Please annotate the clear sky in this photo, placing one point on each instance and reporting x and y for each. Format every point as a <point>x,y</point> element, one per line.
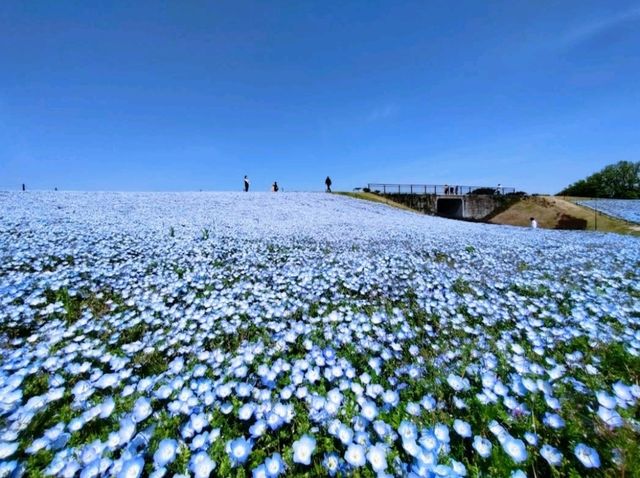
<point>188,95</point>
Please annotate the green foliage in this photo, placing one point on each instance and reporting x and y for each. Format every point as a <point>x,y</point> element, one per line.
<point>35,384</point>
<point>616,181</point>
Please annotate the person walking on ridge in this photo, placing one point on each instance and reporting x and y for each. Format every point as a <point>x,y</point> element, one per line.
<point>327,182</point>
<point>246,184</point>
<point>275,187</point>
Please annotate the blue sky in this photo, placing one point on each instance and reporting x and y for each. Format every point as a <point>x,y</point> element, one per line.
<point>193,95</point>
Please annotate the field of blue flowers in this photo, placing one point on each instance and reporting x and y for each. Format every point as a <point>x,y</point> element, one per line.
<point>627,209</point>
<point>264,335</point>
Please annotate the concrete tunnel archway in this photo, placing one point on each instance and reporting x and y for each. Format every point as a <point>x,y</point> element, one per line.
<point>450,207</point>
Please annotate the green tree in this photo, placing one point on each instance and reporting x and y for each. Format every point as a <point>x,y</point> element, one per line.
<point>620,181</point>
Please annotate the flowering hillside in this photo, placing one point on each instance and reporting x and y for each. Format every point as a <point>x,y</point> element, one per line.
<point>627,209</point>
<point>223,334</point>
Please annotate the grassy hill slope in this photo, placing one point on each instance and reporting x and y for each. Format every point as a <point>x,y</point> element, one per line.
<point>557,213</point>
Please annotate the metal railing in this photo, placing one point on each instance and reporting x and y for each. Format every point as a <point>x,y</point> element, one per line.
<point>437,189</point>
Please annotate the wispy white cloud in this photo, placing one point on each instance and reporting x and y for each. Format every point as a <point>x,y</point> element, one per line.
<point>586,31</point>
<point>382,112</point>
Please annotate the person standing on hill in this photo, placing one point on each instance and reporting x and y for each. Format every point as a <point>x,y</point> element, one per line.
<point>246,184</point>
<point>534,223</point>
<point>275,187</point>
<point>327,182</point>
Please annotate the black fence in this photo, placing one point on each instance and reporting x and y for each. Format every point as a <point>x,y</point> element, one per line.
<point>437,189</point>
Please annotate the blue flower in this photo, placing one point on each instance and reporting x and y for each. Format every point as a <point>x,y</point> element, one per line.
<point>587,456</point>
<point>201,465</point>
<point>331,463</point>
<point>377,456</point>
<point>355,455</point>
<point>610,417</point>
<point>303,449</point>
<point>482,446</point>
<point>166,452</point>
<point>516,449</point>
<point>239,450</point>
<point>462,428</point>
<point>275,465</point>
<point>407,430</point>
<point>132,468</point>
<point>551,454</point>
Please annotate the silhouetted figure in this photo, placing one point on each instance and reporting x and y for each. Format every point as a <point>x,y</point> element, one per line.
<point>327,182</point>
<point>499,188</point>
<point>55,189</point>
<point>446,189</point>
<point>24,188</point>
<point>246,184</point>
<point>275,187</point>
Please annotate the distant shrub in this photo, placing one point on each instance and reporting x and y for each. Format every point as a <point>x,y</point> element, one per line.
<point>481,191</point>
<point>366,190</point>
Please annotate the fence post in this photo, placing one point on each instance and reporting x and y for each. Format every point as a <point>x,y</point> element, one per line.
<point>384,189</point>
<point>411,188</point>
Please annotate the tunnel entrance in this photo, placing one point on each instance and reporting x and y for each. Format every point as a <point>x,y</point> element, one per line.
<point>449,207</point>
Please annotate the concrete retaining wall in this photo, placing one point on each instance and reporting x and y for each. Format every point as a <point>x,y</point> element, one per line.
<point>474,207</point>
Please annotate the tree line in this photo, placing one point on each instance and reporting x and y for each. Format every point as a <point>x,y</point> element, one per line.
<point>616,181</point>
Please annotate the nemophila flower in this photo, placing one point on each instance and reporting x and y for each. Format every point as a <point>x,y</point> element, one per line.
<point>141,409</point>
<point>377,457</point>
<point>462,428</point>
<point>259,471</point>
<point>369,410</point>
<point>331,463</point>
<point>132,468</point>
<point>411,447</point>
<point>606,400</point>
<point>198,422</point>
<point>355,455</point>
<point>553,420</point>
<point>246,411</point>
<point>515,448</point>
<point>551,454</point>
<point>126,431</point>
<point>407,430</point>
<point>344,434</point>
<point>201,465</point>
<point>258,428</point>
<point>274,465</point>
<point>441,431</point>
<point>166,452</point>
<point>429,441</point>
<point>610,417</point>
<point>587,456</point>
<point>7,449</point>
<point>457,383</point>
<point>531,438</point>
<point>391,398</point>
<point>238,450</point>
<point>623,392</point>
<point>482,446</point>
<point>303,449</point>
